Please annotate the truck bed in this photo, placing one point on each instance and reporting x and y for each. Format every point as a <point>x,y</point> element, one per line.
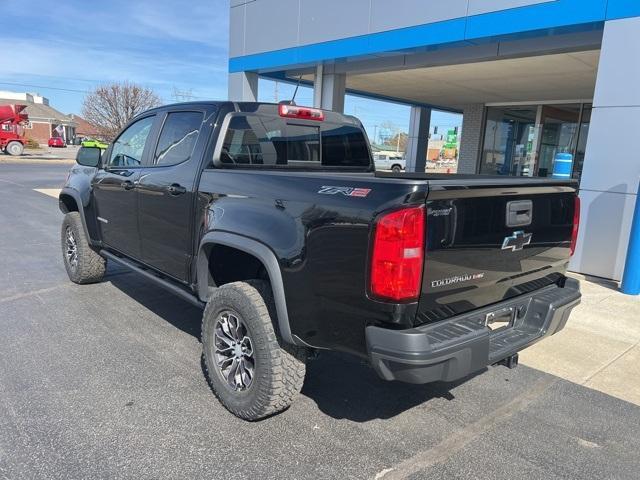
<point>480,180</point>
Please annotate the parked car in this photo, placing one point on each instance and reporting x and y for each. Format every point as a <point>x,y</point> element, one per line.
<point>90,142</point>
<point>389,161</point>
<point>56,142</point>
<point>273,220</point>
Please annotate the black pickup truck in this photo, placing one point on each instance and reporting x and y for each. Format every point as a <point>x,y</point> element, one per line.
<point>273,219</point>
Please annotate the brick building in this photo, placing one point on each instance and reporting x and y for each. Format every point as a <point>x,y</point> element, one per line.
<point>84,129</point>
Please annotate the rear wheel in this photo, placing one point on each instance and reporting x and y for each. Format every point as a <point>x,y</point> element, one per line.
<point>248,367</point>
<point>15,148</point>
<point>396,169</point>
<point>83,264</point>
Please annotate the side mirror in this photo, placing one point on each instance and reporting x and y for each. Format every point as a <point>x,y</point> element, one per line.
<point>89,156</point>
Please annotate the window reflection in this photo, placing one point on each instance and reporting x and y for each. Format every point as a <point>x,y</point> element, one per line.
<point>535,140</point>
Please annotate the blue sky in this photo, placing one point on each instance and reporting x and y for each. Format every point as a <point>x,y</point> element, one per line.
<point>64,49</point>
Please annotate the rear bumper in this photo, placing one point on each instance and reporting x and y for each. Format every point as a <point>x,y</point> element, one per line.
<point>455,348</point>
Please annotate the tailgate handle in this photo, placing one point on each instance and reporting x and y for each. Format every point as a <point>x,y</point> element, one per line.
<point>519,213</point>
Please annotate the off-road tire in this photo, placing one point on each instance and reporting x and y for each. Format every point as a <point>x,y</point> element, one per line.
<point>90,265</point>
<point>14,148</point>
<point>396,169</point>
<point>279,370</point>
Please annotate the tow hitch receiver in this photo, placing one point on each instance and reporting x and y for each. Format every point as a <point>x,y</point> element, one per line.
<point>509,362</point>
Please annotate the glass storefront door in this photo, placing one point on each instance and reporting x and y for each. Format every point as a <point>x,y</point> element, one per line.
<point>559,139</point>
<point>509,141</point>
<point>581,147</point>
<point>535,140</point>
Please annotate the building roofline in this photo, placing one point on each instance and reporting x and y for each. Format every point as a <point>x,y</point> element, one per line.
<point>540,19</point>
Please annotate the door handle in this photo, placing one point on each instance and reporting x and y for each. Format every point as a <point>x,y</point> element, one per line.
<point>127,185</point>
<point>519,213</point>
<point>176,189</point>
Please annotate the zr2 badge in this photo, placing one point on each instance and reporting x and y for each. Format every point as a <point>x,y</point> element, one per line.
<point>346,191</point>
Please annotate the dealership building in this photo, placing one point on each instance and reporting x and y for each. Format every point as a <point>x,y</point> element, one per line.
<point>546,88</point>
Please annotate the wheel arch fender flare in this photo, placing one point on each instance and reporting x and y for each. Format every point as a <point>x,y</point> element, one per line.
<point>262,253</point>
<point>75,195</point>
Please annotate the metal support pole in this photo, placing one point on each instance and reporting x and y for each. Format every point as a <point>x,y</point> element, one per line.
<point>418,141</point>
<point>631,277</point>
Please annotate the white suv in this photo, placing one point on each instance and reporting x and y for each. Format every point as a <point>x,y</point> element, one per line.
<point>389,161</point>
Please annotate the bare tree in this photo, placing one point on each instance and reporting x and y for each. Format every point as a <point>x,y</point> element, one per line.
<point>109,107</point>
<point>398,142</point>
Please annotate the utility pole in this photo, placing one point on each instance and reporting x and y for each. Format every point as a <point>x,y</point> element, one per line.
<point>182,95</point>
<point>275,92</point>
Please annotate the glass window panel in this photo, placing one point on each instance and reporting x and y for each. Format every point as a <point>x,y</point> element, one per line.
<point>178,137</point>
<point>268,140</point>
<point>582,141</point>
<point>128,148</point>
<point>558,141</point>
<point>344,146</point>
<point>509,141</point>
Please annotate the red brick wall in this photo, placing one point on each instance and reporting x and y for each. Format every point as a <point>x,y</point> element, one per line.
<point>40,133</point>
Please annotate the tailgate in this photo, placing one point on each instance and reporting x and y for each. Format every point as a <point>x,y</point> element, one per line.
<point>488,243</point>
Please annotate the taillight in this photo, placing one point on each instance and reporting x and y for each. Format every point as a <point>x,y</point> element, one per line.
<point>576,224</point>
<point>306,113</point>
<point>398,254</point>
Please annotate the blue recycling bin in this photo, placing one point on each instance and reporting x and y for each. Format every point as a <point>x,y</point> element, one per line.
<point>562,165</point>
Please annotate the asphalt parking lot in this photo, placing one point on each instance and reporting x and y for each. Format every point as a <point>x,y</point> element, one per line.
<point>105,381</point>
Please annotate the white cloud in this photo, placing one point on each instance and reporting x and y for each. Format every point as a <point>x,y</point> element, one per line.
<point>203,22</point>
<point>160,44</point>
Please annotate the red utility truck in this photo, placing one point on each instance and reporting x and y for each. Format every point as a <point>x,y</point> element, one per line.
<point>12,120</point>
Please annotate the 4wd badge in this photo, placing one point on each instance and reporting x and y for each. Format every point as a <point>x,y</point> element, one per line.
<point>346,191</point>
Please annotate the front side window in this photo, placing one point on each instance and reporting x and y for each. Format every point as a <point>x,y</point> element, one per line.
<point>128,148</point>
<point>178,138</point>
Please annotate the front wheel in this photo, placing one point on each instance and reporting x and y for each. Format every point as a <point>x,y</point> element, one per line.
<point>15,148</point>
<point>248,368</point>
<point>396,169</point>
<point>83,264</point>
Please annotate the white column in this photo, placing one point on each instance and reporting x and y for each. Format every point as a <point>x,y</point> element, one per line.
<point>417,143</point>
<point>471,138</point>
<point>329,89</point>
<point>317,86</point>
<point>243,87</point>
<point>611,171</point>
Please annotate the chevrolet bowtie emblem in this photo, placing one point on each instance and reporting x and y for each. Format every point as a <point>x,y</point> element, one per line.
<point>517,241</point>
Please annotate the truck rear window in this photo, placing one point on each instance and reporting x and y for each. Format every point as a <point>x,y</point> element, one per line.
<point>265,140</point>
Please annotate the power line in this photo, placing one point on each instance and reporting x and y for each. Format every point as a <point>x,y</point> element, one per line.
<point>182,95</point>
<point>44,86</point>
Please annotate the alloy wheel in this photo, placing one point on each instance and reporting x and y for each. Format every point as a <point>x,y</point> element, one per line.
<point>71,251</point>
<point>234,351</point>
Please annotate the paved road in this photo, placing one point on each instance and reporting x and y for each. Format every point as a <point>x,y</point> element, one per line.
<point>105,381</point>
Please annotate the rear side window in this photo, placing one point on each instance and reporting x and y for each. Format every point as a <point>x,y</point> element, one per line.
<point>178,137</point>
<point>272,141</point>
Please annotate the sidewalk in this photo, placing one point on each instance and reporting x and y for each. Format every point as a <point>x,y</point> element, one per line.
<point>43,154</point>
<point>600,346</point>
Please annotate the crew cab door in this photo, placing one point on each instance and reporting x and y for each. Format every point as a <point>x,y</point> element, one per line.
<point>114,187</point>
<point>167,190</point>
